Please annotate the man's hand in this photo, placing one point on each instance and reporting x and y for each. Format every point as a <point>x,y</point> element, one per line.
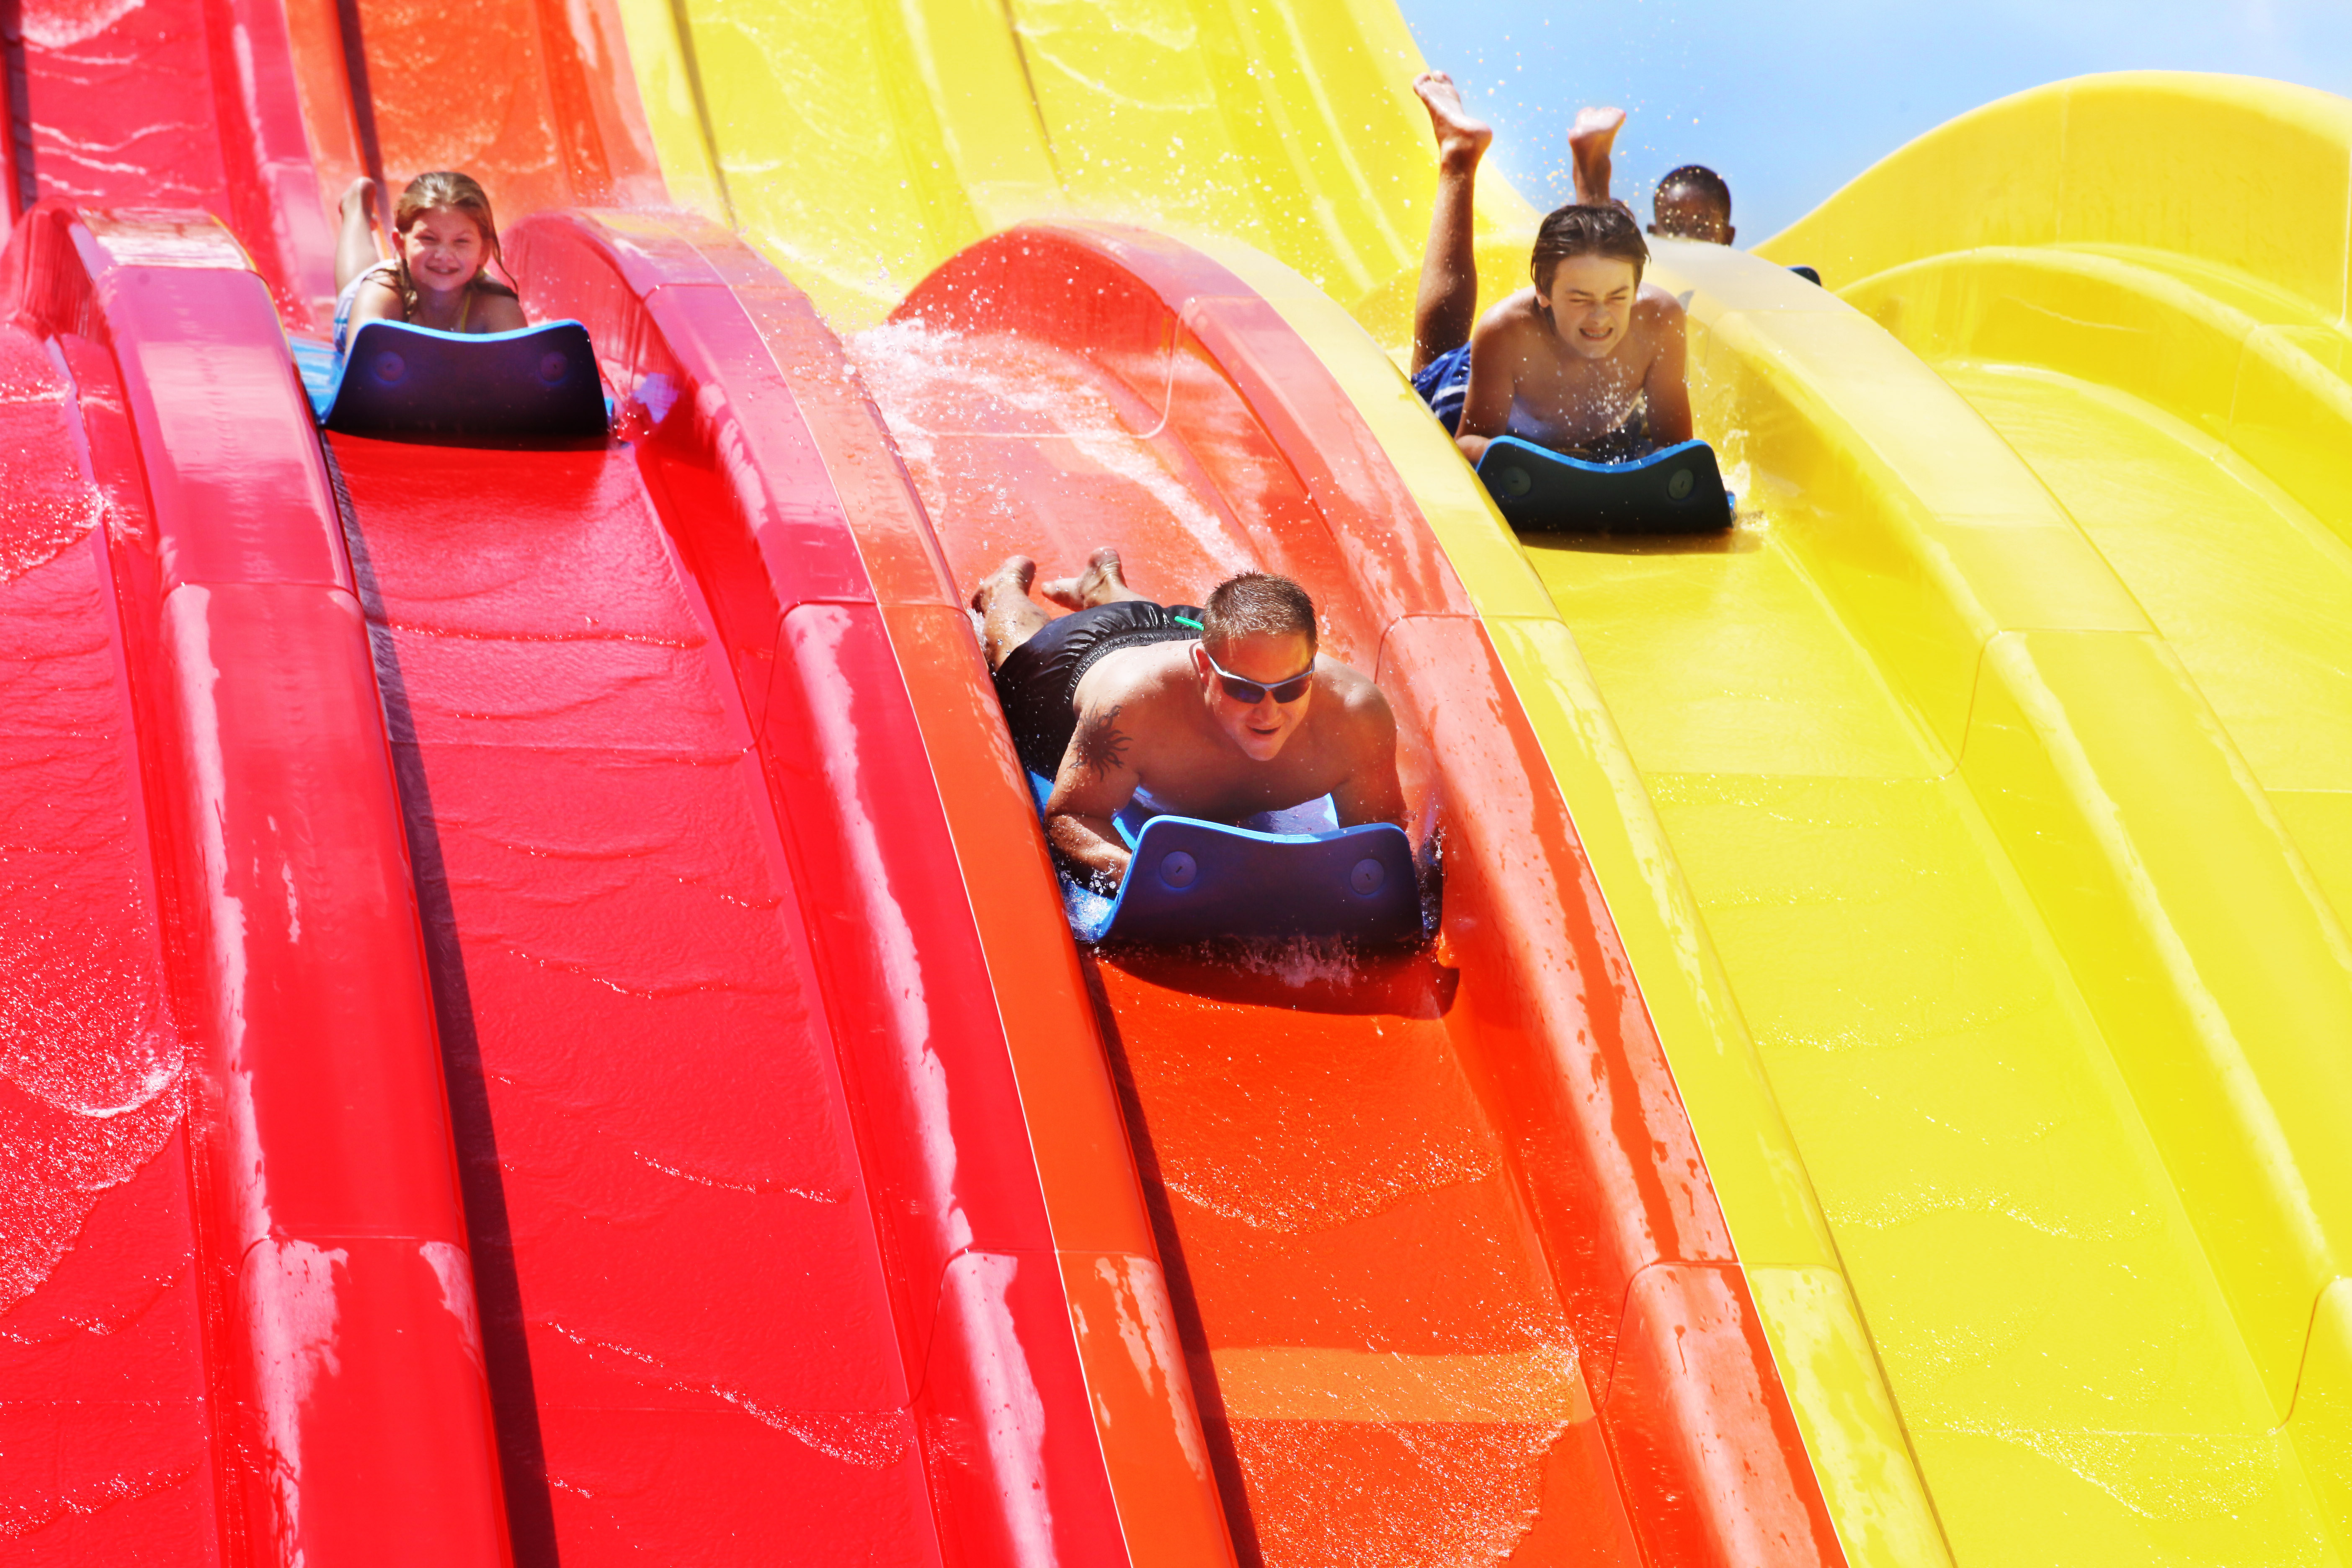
<point>1094,784</point>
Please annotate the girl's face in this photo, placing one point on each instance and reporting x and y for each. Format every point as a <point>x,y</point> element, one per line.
<point>444,250</point>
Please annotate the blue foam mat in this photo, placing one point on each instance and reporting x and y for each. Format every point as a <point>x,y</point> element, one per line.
<point>1677,489</point>
<point>1188,880</point>
<point>400,380</point>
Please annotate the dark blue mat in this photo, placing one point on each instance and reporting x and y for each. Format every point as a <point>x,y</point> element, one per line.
<point>400,380</point>
<point>1189,881</point>
<point>1678,489</point>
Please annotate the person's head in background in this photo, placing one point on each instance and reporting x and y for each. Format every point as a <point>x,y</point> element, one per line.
<point>1692,203</point>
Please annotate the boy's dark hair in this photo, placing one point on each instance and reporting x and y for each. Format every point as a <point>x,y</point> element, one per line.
<point>1569,231</point>
<point>1256,604</point>
<point>1698,177</point>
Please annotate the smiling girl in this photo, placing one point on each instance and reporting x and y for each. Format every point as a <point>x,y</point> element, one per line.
<point>444,239</point>
<point>1589,362</point>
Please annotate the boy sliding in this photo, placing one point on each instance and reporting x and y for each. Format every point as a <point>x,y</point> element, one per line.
<point>1589,361</point>
<point>444,240</point>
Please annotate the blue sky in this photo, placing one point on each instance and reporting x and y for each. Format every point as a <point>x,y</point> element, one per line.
<point>1790,101</point>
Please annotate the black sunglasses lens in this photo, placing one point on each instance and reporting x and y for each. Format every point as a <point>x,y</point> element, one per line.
<point>1251,693</point>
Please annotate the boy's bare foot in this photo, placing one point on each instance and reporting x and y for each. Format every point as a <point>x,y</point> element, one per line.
<point>1461,140</point>
<point>1013,577</point>
<point>1588,143</point>
<point>1104,582</point>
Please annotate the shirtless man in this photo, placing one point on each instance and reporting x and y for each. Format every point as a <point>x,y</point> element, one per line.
<point>1218,713</point>
<point>1590,360</point>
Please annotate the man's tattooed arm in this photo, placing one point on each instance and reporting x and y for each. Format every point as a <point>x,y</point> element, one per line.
<point>1101,746</point>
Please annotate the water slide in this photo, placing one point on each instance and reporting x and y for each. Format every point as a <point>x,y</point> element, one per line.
<point>602,1145</point>
<point>1434,1304</point>
<point>1999,991</point>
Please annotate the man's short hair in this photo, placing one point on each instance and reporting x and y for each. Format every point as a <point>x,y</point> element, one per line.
<point>1703,179</point>
<point>1571,231</point>
<point>1256,604</point>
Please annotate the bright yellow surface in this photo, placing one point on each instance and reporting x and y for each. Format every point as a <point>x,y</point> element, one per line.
<point>2154,324</point>
<point>1973,818</point>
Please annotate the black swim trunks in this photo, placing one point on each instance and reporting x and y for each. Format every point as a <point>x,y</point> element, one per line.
<point>1038,680</point>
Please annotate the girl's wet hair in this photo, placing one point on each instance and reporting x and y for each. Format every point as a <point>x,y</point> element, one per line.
<point>446,188</point>
<point>1569,231</point>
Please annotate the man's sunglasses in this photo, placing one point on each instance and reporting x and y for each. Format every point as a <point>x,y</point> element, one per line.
<point>1253,692</point>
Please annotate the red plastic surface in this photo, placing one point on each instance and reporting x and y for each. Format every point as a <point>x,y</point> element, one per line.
<point>176,104</point>
<point>104,1451</point>
<point>736,1141</point>
<point>1484,1160</point>
<point>341,1363</point>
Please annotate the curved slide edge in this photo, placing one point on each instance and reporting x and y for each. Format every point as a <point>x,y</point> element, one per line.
<point>685,318</point>
<point>350,1408</point>
<point>1112,1277</point>
<point>2100,161</point>
<point>1679,1367</point>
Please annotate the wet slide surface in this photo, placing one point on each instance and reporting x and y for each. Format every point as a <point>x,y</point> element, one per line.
<point>686,1311</point>
<point>2246,584</point>
<point>2068,1368</point>
<point>104,1450</point>
<point>1385,1365</point>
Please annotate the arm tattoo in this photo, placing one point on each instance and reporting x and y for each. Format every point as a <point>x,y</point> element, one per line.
<point>1102,746</point>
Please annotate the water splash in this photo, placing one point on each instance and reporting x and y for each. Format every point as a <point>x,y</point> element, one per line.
<point>932,382</point>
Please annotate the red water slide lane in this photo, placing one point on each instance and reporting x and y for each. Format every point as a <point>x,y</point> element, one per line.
<point>173,104</point>
<point>767,1270</point>
<point>1486,1164</point>
<point>318,1220</point>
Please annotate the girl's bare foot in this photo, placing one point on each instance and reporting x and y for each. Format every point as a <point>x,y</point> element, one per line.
<point>1104,582</point>
<point>1461,139</point>
<point>1588,143</point>
<point>360,196</point>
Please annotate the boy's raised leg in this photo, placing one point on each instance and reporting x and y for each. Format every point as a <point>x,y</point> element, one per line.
<point>1447,306</point>
<point>1588,143</point>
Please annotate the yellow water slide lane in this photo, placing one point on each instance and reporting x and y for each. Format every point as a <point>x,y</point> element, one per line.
<point>2156,325</point>
<point>2006,1012</point>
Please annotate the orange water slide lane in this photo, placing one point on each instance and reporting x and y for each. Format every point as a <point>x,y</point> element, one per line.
<point>1453,1283</point>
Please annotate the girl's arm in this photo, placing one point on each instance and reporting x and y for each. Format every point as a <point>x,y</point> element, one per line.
<point>496,310</point>
<point>377,300</point>
<point>1486,402</point>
